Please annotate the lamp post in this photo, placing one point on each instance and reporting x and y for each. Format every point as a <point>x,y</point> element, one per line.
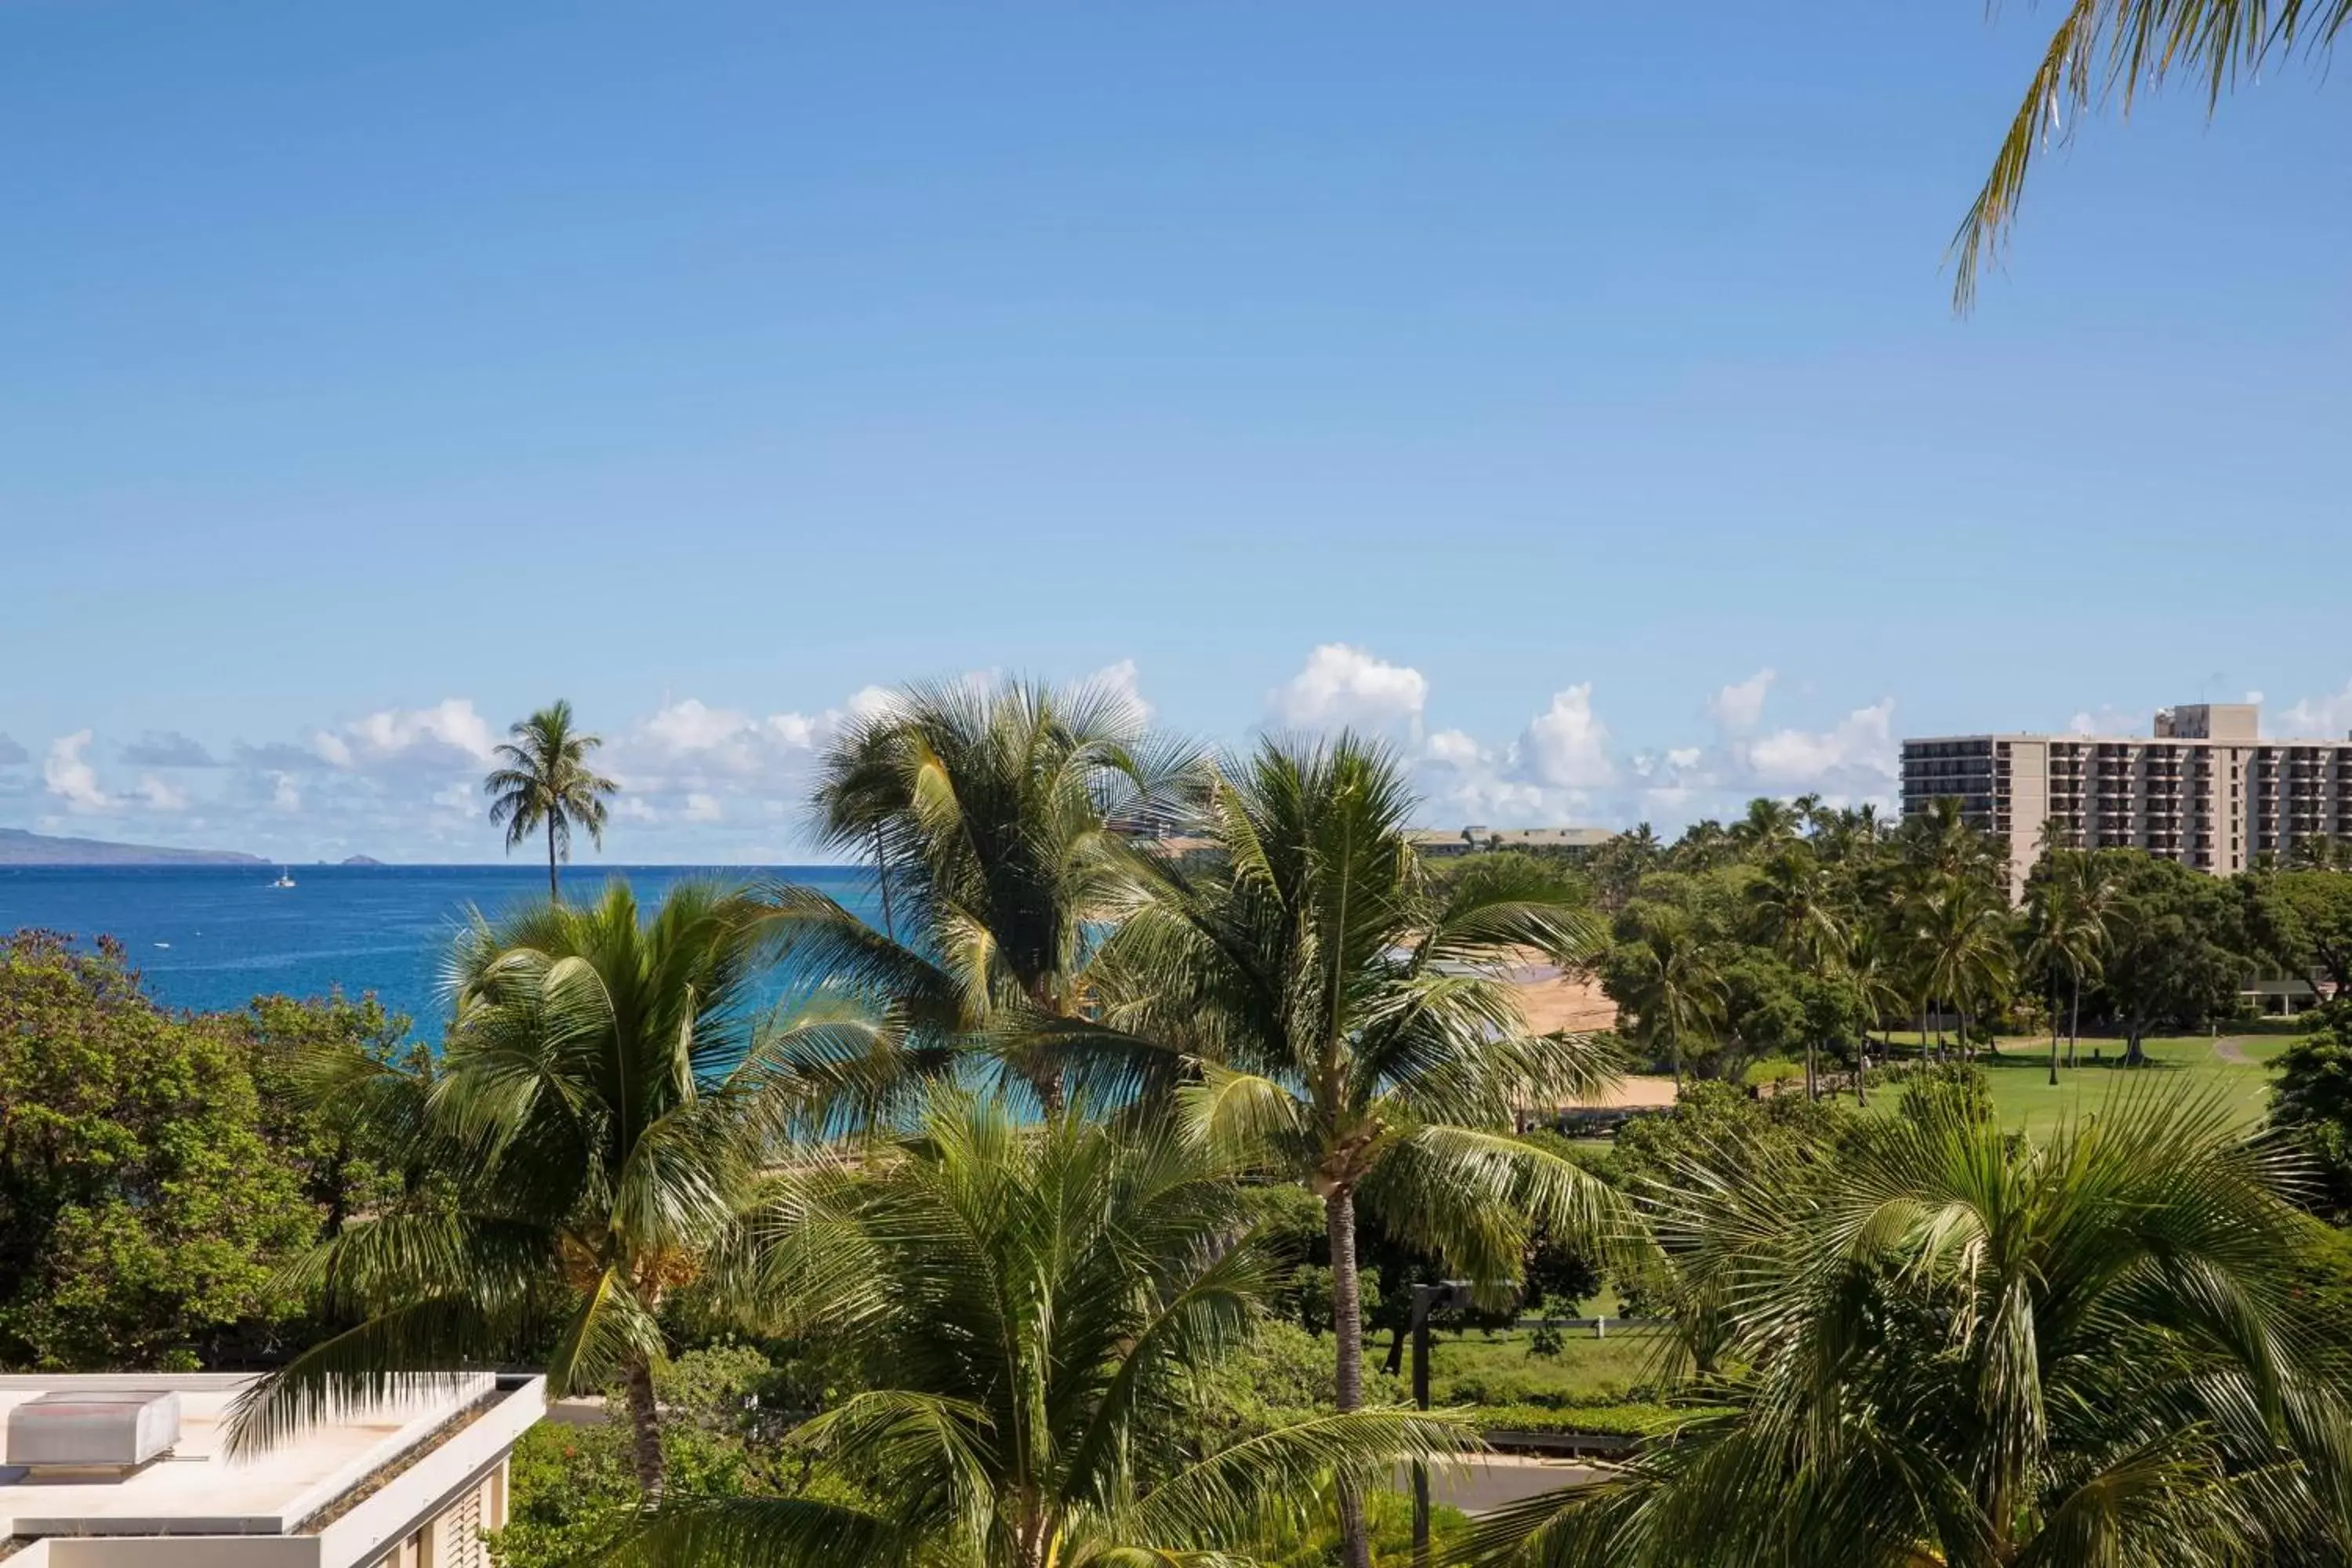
<point>1446,1296</point>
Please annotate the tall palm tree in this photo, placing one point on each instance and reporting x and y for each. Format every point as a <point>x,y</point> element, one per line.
<point>1961,937</point>
<point>1036,1303</point>
<point>1951,1346</point>
<point>2067,920</point>
<point>608,1093</point>
<point>1671,983</point>
<point>1351,1024</point>
<point>1795,910</point>
<point>2105,48</point>
<point>995,815</point>
<point>543,781</point>
<point>1873,976</point>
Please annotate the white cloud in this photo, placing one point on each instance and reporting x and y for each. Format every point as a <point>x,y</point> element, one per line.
<point>160,795</point>
<point>1118,681</point>
<point>285,796</point>
<point>1859,749</point>
<point>1454,748</point>
<point>1685,757</point>
<point>703,807</point>
<point>1567,744</point>
<point>2105,722</point>
<point>1739,705</point>
<point>449,731</point>
<point>2318,718</point>
<point>1344,686</point>
<point>702,741</point>
<point>70,776</point>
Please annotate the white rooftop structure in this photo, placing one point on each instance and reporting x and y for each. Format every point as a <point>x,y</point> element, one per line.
<point>411,1485</point>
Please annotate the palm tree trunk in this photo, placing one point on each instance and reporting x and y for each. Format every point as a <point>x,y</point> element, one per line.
<point>1813,1079</point>
<point>2054,1037</point>
<point>644,1429</point>
<point>554,894</point>
<point>1347,1329</point>
<point>2074,1021</point>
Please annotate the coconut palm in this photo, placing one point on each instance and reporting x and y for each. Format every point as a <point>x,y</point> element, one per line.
<point>1351,1023</point>
<point>543,781</point>
<point>1960,935</point>
<point>609,1090</point>
<point>993,814</point>
<point>1952,1346</point>
<point>1873,976</point>
<point>2067,920</point>
<point>1795,912</point>
<point>2108,48</point>
<point>1667,977</point>
<point>1769,825</point>
<point>1036,1303</point>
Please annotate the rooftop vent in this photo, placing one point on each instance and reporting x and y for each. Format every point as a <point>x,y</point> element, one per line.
<point>111,1430</point>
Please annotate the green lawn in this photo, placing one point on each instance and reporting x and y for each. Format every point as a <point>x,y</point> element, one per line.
<point>2023,1099</point>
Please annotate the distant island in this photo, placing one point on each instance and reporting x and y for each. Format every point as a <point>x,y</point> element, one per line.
<point>362,860</point>
<point>18,847</point>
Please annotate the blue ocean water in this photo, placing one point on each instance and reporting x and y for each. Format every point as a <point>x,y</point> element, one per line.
<point>213,937</point>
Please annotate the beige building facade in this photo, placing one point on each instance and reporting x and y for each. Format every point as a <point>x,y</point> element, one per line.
<point>2203,787</point>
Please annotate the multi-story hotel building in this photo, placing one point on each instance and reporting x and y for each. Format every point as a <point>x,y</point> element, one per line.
<point>2204,788</point>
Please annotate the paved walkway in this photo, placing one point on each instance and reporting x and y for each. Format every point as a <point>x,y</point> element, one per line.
<point>2232,1048</point>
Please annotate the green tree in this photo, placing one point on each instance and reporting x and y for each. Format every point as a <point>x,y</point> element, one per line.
<point>2066,929</point>
<point>1978,1351</point>
<point>2177,946</point>
<point>1351,1025</point>
<point>543,781</point>
<point>1797,915</point>
<point>142,1206</point>
<point>993,815</point>
<point>1040,1304</point>
<point>1663,972</point>
<point>2311,1103</point>
<point>1960,937</point>
<point>609,1092</point>
<point>2104,49</point>
<point>2320,904</point>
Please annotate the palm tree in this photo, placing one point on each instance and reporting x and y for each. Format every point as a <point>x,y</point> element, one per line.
<point>2067,916</point>
<point>1875,982</point>
<point>608,1091</point>
<point>1951,1346</point>
<point>1668,972</point>
<point>543,781</point>
<point>993,814</point>
<point>2106,47</point>
<point>1351,1023</point>
<point>1769,825</point>
<point>1796,913</point>
<point>1961,937</point>
<point>1036,1302</point>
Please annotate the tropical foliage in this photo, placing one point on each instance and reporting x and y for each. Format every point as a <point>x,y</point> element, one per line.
<point>610,1088</point>
<point>1945,1345</point>
<point>1038,1304</point>
<point>2104,49</point>
<point>1348,1026</point>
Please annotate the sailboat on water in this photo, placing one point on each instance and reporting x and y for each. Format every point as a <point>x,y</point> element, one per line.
<point>285,877</point>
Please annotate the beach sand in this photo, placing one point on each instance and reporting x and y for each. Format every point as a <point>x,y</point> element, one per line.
<point>1550,1000</point>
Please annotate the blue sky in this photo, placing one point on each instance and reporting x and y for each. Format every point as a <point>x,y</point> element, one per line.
<point>1523,380</point>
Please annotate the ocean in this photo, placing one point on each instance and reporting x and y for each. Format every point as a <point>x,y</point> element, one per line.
<point>209,938</point>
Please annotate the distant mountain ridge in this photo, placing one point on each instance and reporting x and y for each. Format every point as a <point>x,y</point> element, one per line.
<point>19,847</point>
